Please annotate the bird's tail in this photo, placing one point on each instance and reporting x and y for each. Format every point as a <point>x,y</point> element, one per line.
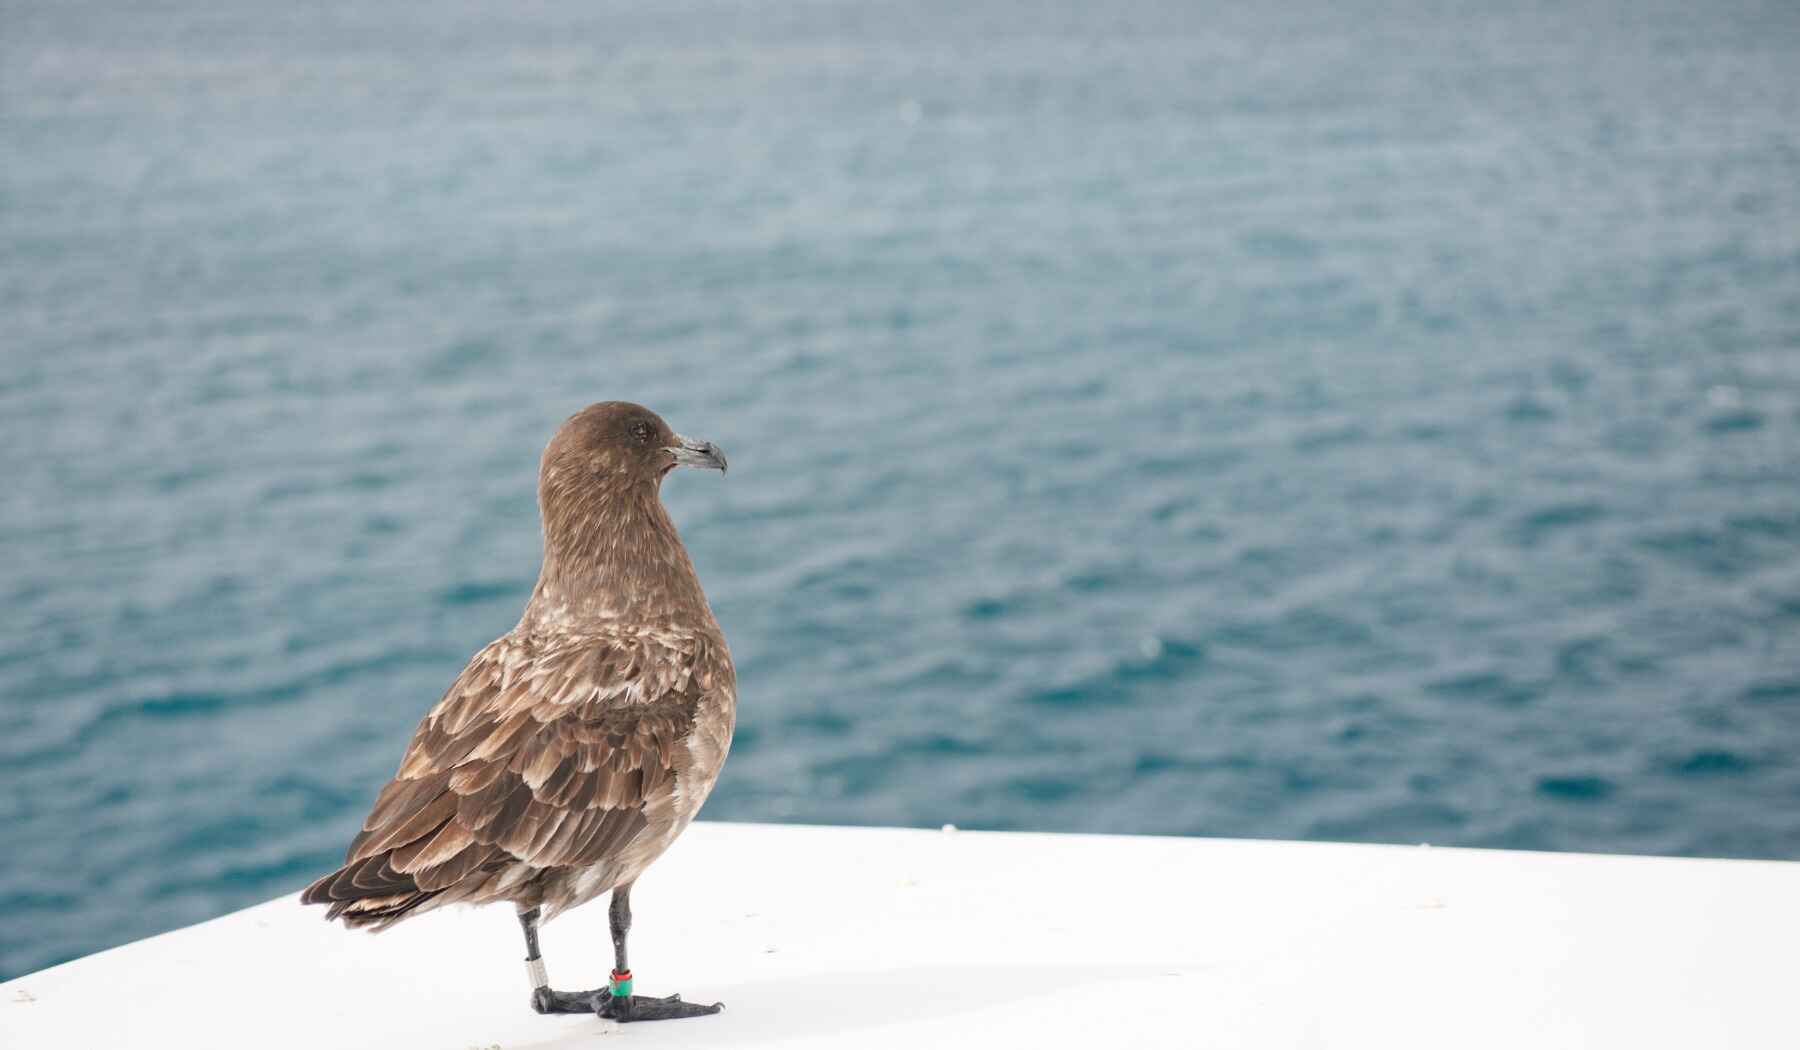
<point>368,894</point>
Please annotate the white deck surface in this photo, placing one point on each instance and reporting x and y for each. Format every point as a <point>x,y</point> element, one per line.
<point>925,940</point>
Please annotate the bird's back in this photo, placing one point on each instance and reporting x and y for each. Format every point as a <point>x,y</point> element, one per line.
<point>557,766</point>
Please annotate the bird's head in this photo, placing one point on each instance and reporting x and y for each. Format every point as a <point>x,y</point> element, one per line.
<point>609,545</point>
<point>617,443</point>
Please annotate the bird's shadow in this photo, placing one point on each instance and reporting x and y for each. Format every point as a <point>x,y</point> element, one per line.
<point>841,1003</point>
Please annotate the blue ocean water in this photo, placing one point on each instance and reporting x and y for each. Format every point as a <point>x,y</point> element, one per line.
<point>1371,421</point>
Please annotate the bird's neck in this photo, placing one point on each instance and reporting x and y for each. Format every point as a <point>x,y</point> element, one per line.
<point>614,555</point>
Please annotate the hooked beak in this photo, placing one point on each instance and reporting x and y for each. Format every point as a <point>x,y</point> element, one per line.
<point>702,454</point>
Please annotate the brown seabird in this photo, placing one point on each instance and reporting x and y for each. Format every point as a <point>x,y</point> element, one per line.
<point>572,751</point>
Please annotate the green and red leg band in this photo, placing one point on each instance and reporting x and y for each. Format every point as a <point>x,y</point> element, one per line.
<point>620,985</point>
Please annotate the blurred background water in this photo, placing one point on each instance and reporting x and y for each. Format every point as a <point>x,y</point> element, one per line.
<point>1371,421</point>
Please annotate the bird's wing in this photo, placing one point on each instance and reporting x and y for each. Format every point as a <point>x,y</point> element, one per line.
<point>542,758</point>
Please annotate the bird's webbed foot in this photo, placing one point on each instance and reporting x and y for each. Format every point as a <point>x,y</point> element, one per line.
<point>550,1001</point>
<point>623,1008</point>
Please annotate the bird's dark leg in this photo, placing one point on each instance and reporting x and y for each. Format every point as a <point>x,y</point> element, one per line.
<point>620,1004</point>
<point>618,916</point>
<point>544,999</point>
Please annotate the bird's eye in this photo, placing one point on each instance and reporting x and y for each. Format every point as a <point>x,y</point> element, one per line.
<point>641,430</point>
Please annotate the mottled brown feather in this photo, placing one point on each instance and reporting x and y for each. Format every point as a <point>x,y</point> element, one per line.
<point>496,774</point>
<point>457,868</point>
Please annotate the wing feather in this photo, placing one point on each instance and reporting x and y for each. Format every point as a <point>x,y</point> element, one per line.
<point>541,759</point>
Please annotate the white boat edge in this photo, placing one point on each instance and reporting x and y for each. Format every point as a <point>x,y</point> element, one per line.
<point>893,937</point>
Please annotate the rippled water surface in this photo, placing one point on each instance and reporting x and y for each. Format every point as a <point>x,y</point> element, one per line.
<point>1346,421</point>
